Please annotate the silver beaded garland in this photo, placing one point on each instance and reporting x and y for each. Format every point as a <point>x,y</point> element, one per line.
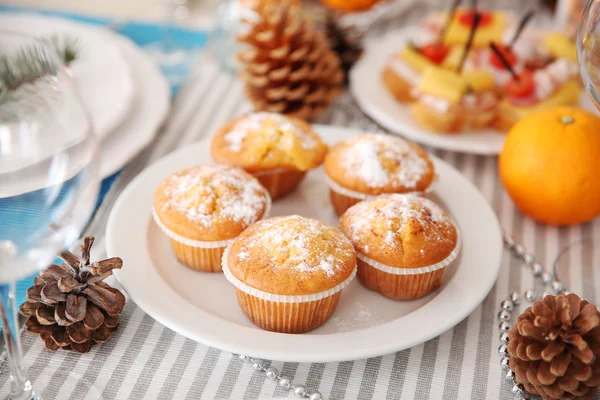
<point>517,388</point>
<point>510,374</point>
<point>519,250</point>
<point>504,337</point>
<point>515,298</point>
<point>529,258</point>
<point>272,373</point>
<point>504,315</point>
<point>558,287</point>
<point>316,396</point>
<point>547,277</point>
<point>530,295</point>
<point>537,269</point>
<point>285,382</point>
<point>299,390</point>
<point>504,362</point>
<point>507,305</point>
<point>510,241</point>
<point>503,350</point>
<point>258,364</point>
<point>504,326</point>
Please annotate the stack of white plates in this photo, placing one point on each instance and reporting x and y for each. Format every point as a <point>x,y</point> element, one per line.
<point>125,94</point>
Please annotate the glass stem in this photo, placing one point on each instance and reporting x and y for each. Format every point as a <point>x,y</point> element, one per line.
<point>167,36</point>
<point>20,386</point>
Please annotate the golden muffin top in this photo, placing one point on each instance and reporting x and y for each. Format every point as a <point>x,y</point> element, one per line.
<point>374,164</point>
<point>210,203</point>
<point>404,231</point>
<point>291,256</point>
<point>263,141</point>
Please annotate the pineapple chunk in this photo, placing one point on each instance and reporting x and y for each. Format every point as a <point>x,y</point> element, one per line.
<point>493,32</point>
<point>453,58</point>
<point>443,83</point>
<point>479,80</point>
<point>566,95</point>
<point>560,46</point>
<point>414,59</point>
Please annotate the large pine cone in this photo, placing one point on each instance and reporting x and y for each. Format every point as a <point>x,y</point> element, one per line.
<point>69,306</point>
<point>554,347</point>
<point>288,66</point>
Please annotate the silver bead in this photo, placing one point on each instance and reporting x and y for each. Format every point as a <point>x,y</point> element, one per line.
<point>509,240</point>
<point>520,250</point>
<point>316,396</point>
<point>503,350</point>
<point>558,287</point>
<point>258,364</point>
<point>529,258</point>
<point>547,277</point>
<point>515,298</point>
<point>544,295</point>
<point>505,362</point>
<point>507,305</point>
<point>504,315</point>
<point>510,374</point>
<point>299,390</point>
<point>537,269</point>
<point>242,357</point>
<point>504,326</point>
<point>530,295</point>
<point>272,373</point>
<point>504,337</point>
<point>285,382</point>
<point>517,388</point>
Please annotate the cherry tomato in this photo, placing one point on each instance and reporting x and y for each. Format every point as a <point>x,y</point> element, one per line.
<point>509,55</point>
<point>436,53</point>
<point>467,17</point>
<point>523,87</point>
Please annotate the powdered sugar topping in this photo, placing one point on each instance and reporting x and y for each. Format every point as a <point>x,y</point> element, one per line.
<point>388,216</point>
<point>302,244</point>
<point>379,160</point>
<point>271,125</point>
<point>206,193</point>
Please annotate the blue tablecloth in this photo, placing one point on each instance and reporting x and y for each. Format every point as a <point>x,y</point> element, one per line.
<point>142,34</point>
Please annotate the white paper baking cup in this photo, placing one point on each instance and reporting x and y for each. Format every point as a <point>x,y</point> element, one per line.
<point>270,171</point>
<point>415,271</point>
<point>362,196</point>
<point>199,243</point>
<point>280,298</point>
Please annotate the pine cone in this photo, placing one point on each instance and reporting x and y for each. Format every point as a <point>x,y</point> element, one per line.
<point>288,67</point>
<point>345,41</point>
<point>69,306</point>
<point>554,346</point>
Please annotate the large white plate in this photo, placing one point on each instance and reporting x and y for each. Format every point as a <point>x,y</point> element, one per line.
<point>377,102</point>
<point>101,74</point>
<point>204,307</point>
<point>149,109</point>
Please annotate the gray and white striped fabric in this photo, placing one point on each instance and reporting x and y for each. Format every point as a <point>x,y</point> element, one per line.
<point>145,360</point>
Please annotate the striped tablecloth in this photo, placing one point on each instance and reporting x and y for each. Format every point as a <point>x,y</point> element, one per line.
<point>145,360</point>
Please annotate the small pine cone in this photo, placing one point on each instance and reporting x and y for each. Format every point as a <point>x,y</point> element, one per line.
<point>554,347</point>
<point>69,306</point>
<point>288,66</point>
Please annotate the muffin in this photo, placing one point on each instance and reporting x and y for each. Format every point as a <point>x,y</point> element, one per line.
<point>289,272</point>
<point>366,166</point>
<point>403,244</point>
<point>277,150</point>
<point>202,209</point>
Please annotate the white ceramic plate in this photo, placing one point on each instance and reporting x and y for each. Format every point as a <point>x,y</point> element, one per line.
<point>377,102</point>
<point>101,74</point>
<point>149,109</point>
<point>204,307</point>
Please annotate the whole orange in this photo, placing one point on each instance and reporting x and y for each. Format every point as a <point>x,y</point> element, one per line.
<point>550,165</point>
<point>349,5</point>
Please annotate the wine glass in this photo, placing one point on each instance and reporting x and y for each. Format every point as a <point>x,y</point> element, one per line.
<point>48,175</point>
<point>588,56</point>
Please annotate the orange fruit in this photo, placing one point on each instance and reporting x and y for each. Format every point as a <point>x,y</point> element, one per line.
<point>349,5</point>
<point>550,165</point>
